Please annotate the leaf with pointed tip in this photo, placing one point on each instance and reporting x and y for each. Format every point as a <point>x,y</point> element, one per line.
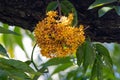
<point>79,55</point>
<point>99,3</point>
<point>9,68</point>
<point>6,31</point>
<point>97,69</point>
<point>8,41</point>
<point>3,51</point>
<point>94,71</point>
<point>18,40</point>
<point>106,55</point>
<point>117,8</point>
<point>89,54</point>
<point>104,10</point>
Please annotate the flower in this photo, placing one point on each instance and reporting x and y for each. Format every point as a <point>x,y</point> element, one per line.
<point>56,37</point>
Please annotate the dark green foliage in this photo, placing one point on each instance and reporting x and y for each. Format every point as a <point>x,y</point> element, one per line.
<point>79,55</point>
<point>89,54</point>
<point>102,63</point>
<point>52,6</point>
<point>3,51</point>
<point>15,69</point>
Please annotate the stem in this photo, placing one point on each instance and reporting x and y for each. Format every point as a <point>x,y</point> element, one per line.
<point>86,27</point>
<point>59,8</point>
<point>32,58</point>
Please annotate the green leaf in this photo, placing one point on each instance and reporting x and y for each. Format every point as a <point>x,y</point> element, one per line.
<point>12,72</point>
<point>117,8</point>
<point>103,63</point>
<point>56,61</point>
<point>28,62</point>
<point>104,10</point>
<point>75,74</point>
<point>8,41</point>
<point>106,55</point>
<point>3,51</point>
<point>18,75</point>
<point>94,71</point>
<point>30,34</point>
<point>67,7</point>
<point>6,31</point>
<point>3,75</point>
<point>18,40</point>
<point>97,69</point>
<point>79,55</point>
<point>16,64</point>
<point>99,3</point>
<point>89,54</point>
<point>71,74</point>
<point>52,6</point>
<point>62,67</point>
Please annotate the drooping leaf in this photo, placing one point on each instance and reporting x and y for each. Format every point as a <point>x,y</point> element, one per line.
<point>104,10</point>
<point>67,7</point>
<point>3,51</point>
<point>12,72</point>
<point>62,67</point>
<point>103,64</point>
<point>16,64</point>
<point>99,67</point>
<point>8,41</point>
<point>52,6</point>
<point>89,54</point>
<point>106,55</point>
<point>99,3</point>
<point>94,71</point>
<point>79,55</point>
<point>6,31</point>
<point>30,34</point>
<point>18,40</point>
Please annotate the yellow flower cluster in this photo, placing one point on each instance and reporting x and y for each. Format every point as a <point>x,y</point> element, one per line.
<point>56,37</point>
